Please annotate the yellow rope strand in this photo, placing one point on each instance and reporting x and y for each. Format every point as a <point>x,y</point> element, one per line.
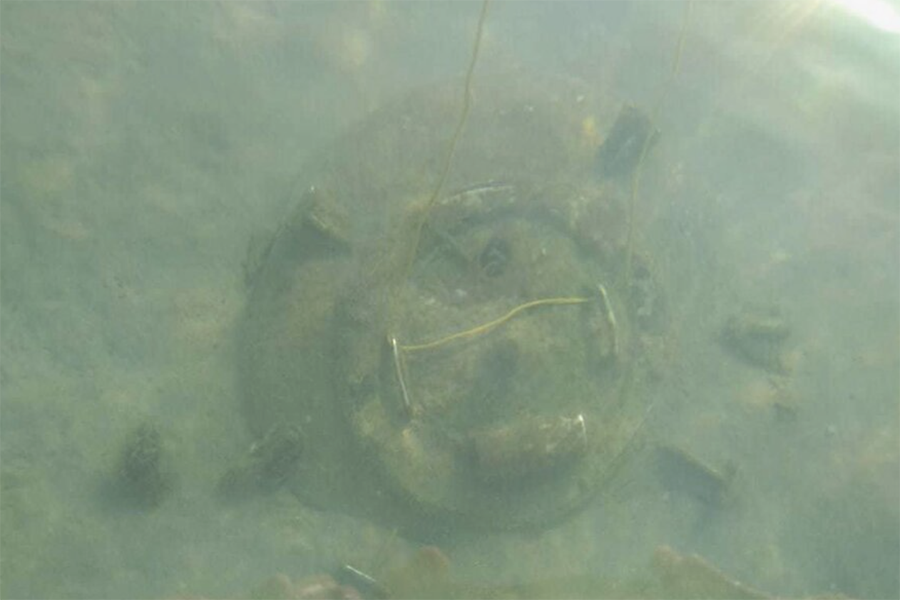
<point>495,323</point>
<point>448,161</point>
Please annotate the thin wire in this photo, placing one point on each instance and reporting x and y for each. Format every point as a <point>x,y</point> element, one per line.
<point>495,323</point>
<point>461,124</point>
<point>636,177</point>
<point>398,363</point>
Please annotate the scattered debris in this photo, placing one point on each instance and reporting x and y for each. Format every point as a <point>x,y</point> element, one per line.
<point>267,465</point>
<point>427,575</point>
<point>757,336</point>
<point>682,472</point>
<point>631,137</point>
<point>142,477</point>
<point>367,585</point>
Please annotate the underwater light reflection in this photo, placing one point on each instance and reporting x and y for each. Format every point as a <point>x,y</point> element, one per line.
<point>877,13</point>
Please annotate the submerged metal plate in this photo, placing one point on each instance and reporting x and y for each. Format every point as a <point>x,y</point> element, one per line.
<point>470,372</point>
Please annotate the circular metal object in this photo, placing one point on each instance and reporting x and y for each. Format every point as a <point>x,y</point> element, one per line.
<point>464,362</point>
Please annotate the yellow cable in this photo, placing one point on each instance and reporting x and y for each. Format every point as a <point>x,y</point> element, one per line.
<point>495,323</point>
<point>448,161</point>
